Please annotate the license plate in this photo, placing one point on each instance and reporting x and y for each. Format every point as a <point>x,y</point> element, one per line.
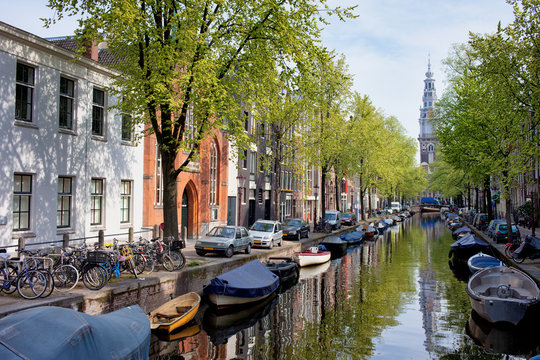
<point>208,248</point>
<point>256,241</point>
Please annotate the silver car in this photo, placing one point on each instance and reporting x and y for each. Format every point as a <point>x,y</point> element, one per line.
<point>226,240</point>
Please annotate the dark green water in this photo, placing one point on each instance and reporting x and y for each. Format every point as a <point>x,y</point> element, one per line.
<point>396,298</point>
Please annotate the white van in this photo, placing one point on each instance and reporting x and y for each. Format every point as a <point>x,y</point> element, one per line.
<point>395,206</point>
<point>334,218</point>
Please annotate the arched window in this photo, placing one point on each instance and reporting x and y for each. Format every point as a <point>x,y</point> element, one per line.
<point>213,173</point>
<point>430,148</point>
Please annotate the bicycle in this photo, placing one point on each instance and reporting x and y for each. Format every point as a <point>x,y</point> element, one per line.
<point>30,283</point>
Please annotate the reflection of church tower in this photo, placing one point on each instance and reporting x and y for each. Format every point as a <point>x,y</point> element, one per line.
<point>427,138</point>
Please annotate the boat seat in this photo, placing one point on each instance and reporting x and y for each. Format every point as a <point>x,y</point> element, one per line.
<point>180,310</point>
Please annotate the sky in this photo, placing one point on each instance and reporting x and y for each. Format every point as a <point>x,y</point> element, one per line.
<point>386,47</point>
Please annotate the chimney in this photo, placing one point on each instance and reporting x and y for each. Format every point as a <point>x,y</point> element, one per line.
<point>92,51</point>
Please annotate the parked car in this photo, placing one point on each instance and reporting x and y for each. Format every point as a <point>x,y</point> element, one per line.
<point>295,229</point>
<point>491,226</point>
<point>348,219</point>
<point>334,218</point>
<point>501,232</point>
<point>266,233</point>
<point>226,240</point>
<point>480,221</point>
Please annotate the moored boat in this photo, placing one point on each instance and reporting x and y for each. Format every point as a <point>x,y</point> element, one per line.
<point>50,332</point>
<point>353,237</point>
<point>335,245</point>
<point>502,294</point>
<point>284,267</point>
<point>469,245</point>
<point>312,256</point>
<point>175,313</point>
<point>481,261</point>
<point>248,283</point>
<point>460,231</point>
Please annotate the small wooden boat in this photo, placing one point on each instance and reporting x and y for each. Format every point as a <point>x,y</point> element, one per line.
<point>175,313</point>
<point>284,267</point>
<point>251,282</point>
<point>312,256</point>
<point>481,261</point>
<point>502,294</point>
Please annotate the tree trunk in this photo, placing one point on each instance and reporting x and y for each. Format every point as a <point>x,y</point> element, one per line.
<point>277,188</point>
<point>323,191</point>
<point>170,209</point>
<point>487,192</point>
<point>369,201</point>
<point>476,199</point>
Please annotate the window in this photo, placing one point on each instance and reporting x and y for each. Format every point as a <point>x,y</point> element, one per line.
<point>125,195</point>
<point>260,196</point>
<point>243,194</point>
<point>24,92</point>
<point>127,132</point>
<point>246,120</point>
<point>189,129</point>
<point>96,202</point>
<point>67,95</point>
<point>158,176</point>
<point>213,174</point>
<point>22,196</point>
<point>430,148</point>
<point>244,160</point>
<point>63,210</point>
<point>98,112</point>
<point>252,165</point>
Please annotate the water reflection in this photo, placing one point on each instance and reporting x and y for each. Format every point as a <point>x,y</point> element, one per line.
<point>395,297</point>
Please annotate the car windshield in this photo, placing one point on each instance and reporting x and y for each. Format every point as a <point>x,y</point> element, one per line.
<point>330,216</point>
<point>221,231</point>
<point>292,222</point>
<point>266,227</point>
<point>346,215</point>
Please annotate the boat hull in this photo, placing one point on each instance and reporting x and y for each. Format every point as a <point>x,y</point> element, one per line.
<point>308,259</point>
<point>482,261</point>
<point>170,323</point>
<point>224,301</point>
<point>501,294</point>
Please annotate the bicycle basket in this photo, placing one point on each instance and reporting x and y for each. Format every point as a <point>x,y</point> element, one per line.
<point>97,257</point>
<point>178,245</point>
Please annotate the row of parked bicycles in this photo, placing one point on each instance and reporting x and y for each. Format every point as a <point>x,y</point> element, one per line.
<point>37,273</point>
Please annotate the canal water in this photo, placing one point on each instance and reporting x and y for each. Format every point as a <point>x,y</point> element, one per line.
<point>397,297</point>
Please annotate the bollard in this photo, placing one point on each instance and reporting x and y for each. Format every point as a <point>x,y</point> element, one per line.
<point>130,234</point>
<point>155,231</point>
<point>22,243</point>
<point>65,241</point>
<point>101,239</point>
<point>184,235</point>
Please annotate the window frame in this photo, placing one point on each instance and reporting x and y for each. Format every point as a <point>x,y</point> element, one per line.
<point>67,97</point>
<point>20,194</point>
<point>97,196</point>
<point>126,210</point>
<point>213,174</point>
<point>63,195</point>
<point>29,86</point>
<point>98,108</point>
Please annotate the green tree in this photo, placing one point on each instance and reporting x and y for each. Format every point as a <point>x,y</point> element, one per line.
<point>183,58</point>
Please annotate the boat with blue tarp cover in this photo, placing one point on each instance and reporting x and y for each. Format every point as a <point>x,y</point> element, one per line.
<point>462,231</point>
<point>481,261</point>
<point>248,283</point>
<point>50,332</point>
<point>467,246</point>
<point>353,237</point>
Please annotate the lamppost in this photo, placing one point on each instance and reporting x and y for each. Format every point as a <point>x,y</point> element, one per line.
<point>316,188</point>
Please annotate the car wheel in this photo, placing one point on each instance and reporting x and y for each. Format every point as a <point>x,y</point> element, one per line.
<point>200,252</point>
<point>271,244</point>
<point>307,234</point>
<point>280,242</point>
<point>229,252</point>
<point>299,236</point>
<point>248,249</point>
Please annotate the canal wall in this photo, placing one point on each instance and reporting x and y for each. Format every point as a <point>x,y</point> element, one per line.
<point>155,289</point>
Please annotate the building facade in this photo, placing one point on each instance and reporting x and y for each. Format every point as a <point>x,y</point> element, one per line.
<point>69,164</point>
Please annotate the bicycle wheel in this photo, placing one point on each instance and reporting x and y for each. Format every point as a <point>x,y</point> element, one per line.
<point>150,265</point>
<point>95,277</point>
<point>31,284</point>
<point>8,279</point>
<point>50,283</point>
<point>179,260</point>
<point>65,277</point>
<point>140,263</point>
<point>167,262</point>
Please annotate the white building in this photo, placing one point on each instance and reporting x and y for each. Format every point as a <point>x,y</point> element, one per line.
<point>68,164</point>
<point>428,138</point>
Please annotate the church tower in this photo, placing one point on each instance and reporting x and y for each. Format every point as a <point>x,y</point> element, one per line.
<point>427,138</point>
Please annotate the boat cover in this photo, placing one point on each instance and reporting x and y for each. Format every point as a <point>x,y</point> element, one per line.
<point>353,235</point>
<point>50,332</point>
<point>469,241</point>
<point>484,261</point>
<point>251,280</point>
<point>461,229</point>
<point>332,240</point>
